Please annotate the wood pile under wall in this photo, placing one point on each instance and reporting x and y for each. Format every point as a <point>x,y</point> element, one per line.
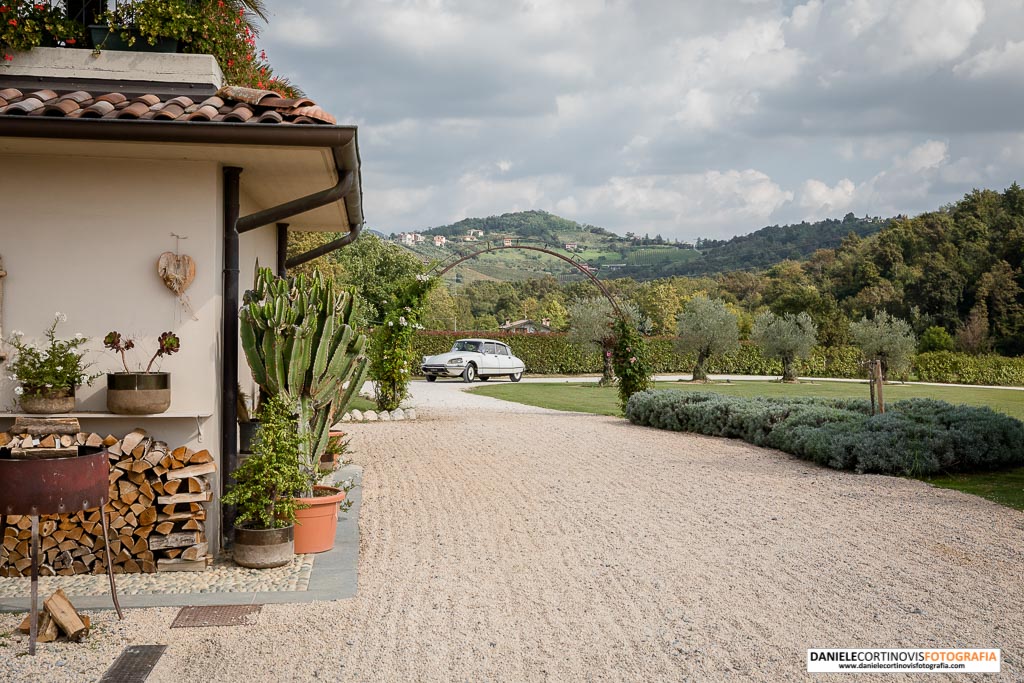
<point>156,506</point>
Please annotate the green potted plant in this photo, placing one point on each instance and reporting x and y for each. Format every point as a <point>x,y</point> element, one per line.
<point>141,392</point>
<point>25,25</point>
<point>298,338</point>
<point>265,488</point>
<point>48,376</point>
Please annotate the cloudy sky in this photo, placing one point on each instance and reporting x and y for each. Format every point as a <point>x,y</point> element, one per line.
<point>681,117</point>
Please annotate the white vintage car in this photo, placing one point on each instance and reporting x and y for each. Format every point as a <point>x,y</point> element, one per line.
<point>472,358</point>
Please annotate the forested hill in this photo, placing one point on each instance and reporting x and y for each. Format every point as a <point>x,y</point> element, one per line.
<point>539,225</point>
<point>774,244</point>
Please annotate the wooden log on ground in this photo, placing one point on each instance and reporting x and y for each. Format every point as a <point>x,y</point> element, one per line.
<point>178,565</point>
<point>63,612</point>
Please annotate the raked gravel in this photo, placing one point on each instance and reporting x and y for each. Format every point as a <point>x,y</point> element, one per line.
<point>508,543</point>
<point>223,577</point>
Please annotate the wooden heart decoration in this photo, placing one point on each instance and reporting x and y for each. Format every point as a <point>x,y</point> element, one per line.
<point>176,270</point>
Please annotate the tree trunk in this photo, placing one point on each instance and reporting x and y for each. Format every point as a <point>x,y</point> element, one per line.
<point>788,370</point>
<point>607,371</point>
<point>699,372</point>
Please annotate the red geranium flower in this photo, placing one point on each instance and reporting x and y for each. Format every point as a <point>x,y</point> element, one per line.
<point>70,41</point>
<point>12,22</point>
<point>8,58</point>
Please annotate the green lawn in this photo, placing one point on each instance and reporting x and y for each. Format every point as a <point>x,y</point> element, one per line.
<point>1005,488</point>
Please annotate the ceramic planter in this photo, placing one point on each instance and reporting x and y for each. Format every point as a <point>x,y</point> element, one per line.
<point>138,393</point>
<point>49,402</point>
<point>316,524</point>
<point>263,548</point>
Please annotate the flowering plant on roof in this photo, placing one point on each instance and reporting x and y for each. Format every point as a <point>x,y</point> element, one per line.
<point>25,24</point>
<point>49,368</point>
<point>226,29</point>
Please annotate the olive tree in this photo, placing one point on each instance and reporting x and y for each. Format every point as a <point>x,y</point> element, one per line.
<point>885,338</point>
<point>592,326</point>
<point>786,337</point>
<point>707,327</point>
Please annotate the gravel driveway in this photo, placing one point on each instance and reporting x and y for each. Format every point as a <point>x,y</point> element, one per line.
<point>504,542</point>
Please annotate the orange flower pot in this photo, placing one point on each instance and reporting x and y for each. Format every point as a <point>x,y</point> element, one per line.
<point>316,524</point>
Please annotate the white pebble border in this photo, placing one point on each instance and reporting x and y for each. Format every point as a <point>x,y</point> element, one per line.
<point>223,577</point>
<point>396,415</point>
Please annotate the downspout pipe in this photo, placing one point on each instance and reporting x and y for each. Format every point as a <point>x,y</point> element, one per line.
<point>300,205</point>
<point>334,245</point>
<point>229,348</point>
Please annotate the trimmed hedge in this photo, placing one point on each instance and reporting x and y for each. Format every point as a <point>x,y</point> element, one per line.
<point>553,354</point>
<point>916,437</point>
<point>962,368</point>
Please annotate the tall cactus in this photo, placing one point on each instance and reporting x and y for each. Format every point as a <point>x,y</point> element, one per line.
<point>298,338</point>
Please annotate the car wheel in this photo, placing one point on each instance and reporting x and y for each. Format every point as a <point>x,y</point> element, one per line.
<point>516,376</point>
<point>484,378</point>
<point>469,374</point>
<point>431,378</point>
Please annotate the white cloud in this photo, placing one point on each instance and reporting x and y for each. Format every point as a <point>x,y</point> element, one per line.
<point>818,200</point>
<point>1007,60</point>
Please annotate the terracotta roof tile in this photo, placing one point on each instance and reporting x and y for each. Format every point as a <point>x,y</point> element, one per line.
<point>229,105</point>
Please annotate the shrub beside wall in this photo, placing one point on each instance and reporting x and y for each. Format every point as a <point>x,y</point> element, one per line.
<point>916,437</point>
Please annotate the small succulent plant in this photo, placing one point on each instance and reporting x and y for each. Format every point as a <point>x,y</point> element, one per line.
<point>167,344</point>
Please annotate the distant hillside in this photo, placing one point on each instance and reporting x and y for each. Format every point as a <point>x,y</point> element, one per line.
<point>539,225</point>
<point>771,245</point>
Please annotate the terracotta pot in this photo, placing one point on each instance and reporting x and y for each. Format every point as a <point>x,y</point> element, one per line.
<point>316,525</point>
<point>138,393</point>
<point>49,402</point>
<point>263,548</point>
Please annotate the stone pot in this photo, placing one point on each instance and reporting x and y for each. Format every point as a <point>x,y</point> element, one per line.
<point>263,548</point>
<point>105,39</point>
<point>49,402</point>
<point>316,524</point>
<point>138,393</point>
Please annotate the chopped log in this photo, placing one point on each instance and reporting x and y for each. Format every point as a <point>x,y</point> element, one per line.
<point>37,426</point>
<point>50,441</point>
<point>141,466</point>
<point>63,612</point>
<point>94,440</point>
<point>197,485</point>
<point>47,527</point>
<point>176,540</point>
<point>5,439</point>
<point>182,455</point>
<point>67,441</point>
<point>204,497</point>
<point>193,471</point>
<point>164,528</point>
<point>133,439</point>
<point>43,453</point>
<point>127,492</point>
<point>140,451</point>
<point>171,486</point>
<point>145,531</point>
<point>195,552</point>
<point>110,440</point>
<point>200,458</point>
<point>193,525</point>
<point>148,516</point>
<point>132,567</point>
<point>47,631</point>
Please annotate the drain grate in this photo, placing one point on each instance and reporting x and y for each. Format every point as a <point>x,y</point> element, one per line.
<point>214,615</point>
<point>134,664</point>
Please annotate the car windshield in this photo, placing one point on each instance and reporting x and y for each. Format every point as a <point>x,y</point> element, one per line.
<point>466,346</point>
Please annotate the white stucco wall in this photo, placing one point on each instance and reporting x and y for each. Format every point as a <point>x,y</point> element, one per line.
<point>82,236</point>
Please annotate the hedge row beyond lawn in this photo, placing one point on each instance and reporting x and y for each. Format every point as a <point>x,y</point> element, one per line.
<point>554,354</point>
<point>916,437</point>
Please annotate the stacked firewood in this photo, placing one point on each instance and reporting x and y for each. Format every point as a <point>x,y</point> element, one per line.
<point>155,509</point>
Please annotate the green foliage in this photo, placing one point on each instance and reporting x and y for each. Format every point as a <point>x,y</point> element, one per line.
<point>268,481</point>
<point>376,269</point>
<point>592,327</point>
<point>707,327</point>
<point>629,358</point>
<point>916,437</point>
<point>25,24</point>
<point>786,337</point>
<point>962,368</point>
<point>392,356</point>
<point>885,338</point>
<point>298,338</point>
<point>935,338</point>
<point>58,365</point>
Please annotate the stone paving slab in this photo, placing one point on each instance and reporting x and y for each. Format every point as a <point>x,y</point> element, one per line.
<point>331,575</point>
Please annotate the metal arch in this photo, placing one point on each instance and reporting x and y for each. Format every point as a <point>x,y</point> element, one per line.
<point>543,250</point>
